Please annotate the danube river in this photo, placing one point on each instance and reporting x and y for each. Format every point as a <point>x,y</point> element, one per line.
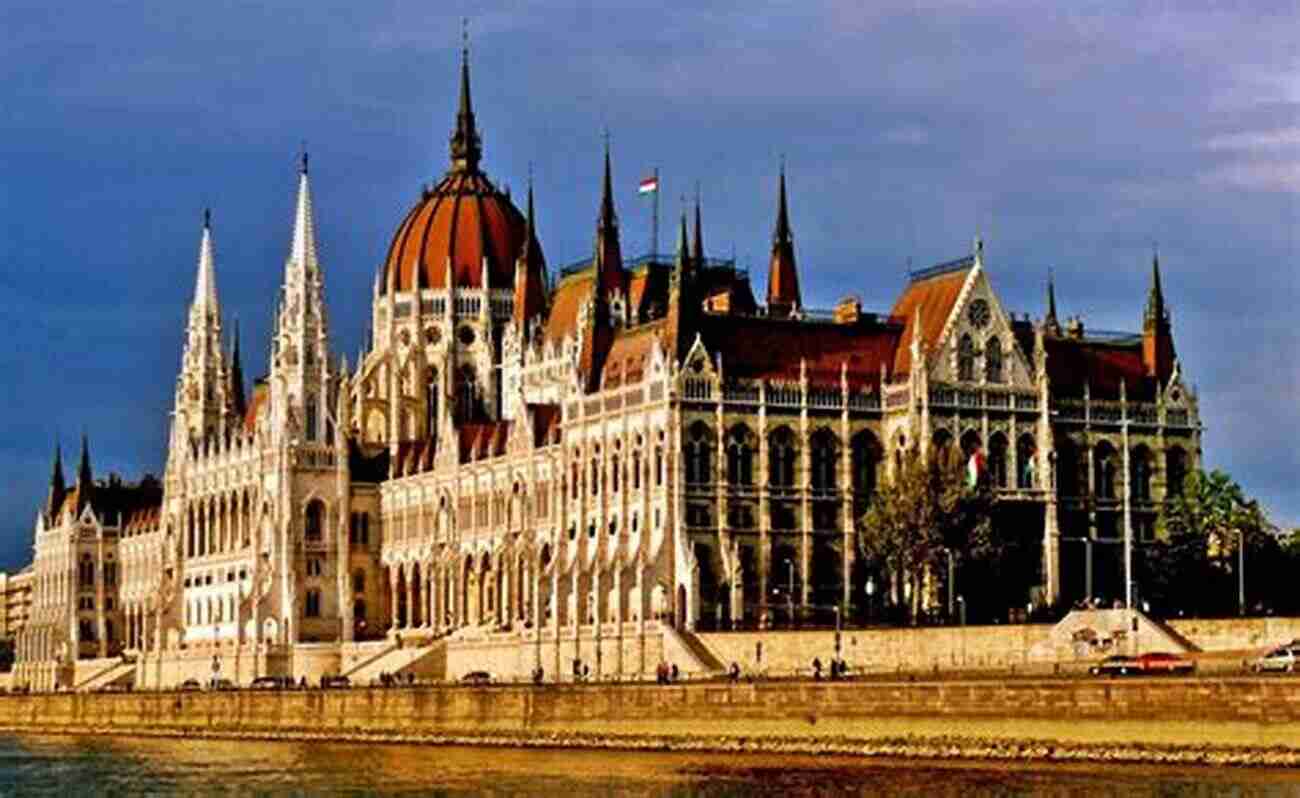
<point>76,766</point>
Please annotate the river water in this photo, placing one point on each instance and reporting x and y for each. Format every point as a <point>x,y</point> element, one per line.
<point>71,767</point>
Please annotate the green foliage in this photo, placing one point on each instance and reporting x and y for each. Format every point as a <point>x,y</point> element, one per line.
<point>925,511</point>
<point>1193,567</point>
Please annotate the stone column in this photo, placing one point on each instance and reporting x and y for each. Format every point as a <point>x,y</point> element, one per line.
<point>392,595</point>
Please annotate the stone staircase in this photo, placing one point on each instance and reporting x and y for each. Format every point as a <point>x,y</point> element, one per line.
<point>117,672</point>
<point>1088,634</point>
<point>692,657</point>
<point>426,662</point>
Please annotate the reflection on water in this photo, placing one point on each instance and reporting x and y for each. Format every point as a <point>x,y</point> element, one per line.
<point>68,767</point>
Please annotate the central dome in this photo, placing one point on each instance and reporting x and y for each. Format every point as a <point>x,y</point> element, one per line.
<point>455,231</point>
<point>463,233</point>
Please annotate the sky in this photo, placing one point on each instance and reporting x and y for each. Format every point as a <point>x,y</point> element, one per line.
<point>1073,137</point>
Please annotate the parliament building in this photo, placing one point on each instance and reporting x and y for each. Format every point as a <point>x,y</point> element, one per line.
<point>524,471</point>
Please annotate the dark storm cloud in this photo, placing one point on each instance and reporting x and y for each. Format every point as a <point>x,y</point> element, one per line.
<point>1069,138</point>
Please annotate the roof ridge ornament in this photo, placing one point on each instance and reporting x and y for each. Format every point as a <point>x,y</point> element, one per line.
<point>466,146</point>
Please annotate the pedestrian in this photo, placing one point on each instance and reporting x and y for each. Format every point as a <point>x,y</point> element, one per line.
<point>661,673</point>
<point>735,671</point>
<point>674,673</point>
<point>817,668</point>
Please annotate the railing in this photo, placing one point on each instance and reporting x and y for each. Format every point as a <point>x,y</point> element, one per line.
<point>829,398</point>
<point>696,388</point>
<point>864,401</point>
<point>786,394</point>
<point>941,268</point>
<point>736,391</point>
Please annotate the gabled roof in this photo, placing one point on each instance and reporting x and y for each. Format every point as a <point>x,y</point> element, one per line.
<point>754,347</point>
<point>483,439</point>
<point>546,424</point>
<point>566,303</point>
<point>934,292</point>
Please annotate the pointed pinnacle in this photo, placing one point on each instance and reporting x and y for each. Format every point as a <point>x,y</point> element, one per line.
<point>782,232</point>
<point>697,247</point>
<point>205,285</point>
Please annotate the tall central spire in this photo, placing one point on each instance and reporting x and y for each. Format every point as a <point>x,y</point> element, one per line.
<point>302,248</point>
<point>466,148</point>
<point>205,284</point>
<point>783,296</point>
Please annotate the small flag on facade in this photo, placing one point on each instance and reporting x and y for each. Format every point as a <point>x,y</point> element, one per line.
<point>649,185</point>
<point>974,468</point>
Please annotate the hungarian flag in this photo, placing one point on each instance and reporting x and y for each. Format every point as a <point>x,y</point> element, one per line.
<point>974,468</point>
<point>648,185</point>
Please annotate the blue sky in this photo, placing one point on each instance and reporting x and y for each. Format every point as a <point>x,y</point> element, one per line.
<point>1071,138</point>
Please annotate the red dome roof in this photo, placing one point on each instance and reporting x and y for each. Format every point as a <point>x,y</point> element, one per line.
<point>461,222</point>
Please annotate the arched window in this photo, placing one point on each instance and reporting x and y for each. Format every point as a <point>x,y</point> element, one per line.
<point>359,611</point>
<point>314,520</point>
<point>866,461</point>
<point>966,359</point>
<point>1070,469</point>
<point>659,466</point>
<point>1175,471</point>
<point>1026,478</point>
<point>636,470</point>
<point>431,409</point>
<point>780,456</point>
<point>699,462</point>
<point>466,394</point>
<point>1140,466</point>
<point>614,474</point>
<point>993,360</point>
<point>740,456</point>
<point>359,582</point>
<point>312,418</point>
<point>312,605</point>
<point>823,460</point>
<point>997,465</point>
<point>1103,461</point>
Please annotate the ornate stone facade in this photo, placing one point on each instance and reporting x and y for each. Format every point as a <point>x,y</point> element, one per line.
<point>583,473</point>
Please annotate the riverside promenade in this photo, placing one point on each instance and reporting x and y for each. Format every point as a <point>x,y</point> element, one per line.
<point>1239,721</point>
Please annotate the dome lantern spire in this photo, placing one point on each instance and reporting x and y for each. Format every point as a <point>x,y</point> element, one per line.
<point>466,147</point>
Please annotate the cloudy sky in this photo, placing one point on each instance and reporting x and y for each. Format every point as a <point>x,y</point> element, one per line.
<point>1070,139</point>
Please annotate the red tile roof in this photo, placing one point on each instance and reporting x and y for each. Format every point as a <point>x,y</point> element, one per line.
<point>629,355</point>
<point>935,297</point>
<point>1101,364</point>
<point>772,349</point>
<point>546,424</point>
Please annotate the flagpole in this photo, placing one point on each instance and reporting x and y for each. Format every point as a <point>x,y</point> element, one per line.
<point>654,222</point>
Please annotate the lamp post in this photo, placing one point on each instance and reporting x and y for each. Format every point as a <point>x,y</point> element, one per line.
<point>871,593</point>
<point>838,634</point>
<point>1241,571</point>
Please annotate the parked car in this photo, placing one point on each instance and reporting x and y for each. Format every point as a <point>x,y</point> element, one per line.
<point>190,685</point>
<point>1162,662</point>
<point>272,683</point>
<point>116,687</point>
<point>477,678</point>
<point>335,682</point>
<point>221,684</point>
<point>1283,658</point>
<point>1115,665</point>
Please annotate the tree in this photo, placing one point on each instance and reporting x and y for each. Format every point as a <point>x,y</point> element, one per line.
<point>920,515</point>
<point>1194,566</point>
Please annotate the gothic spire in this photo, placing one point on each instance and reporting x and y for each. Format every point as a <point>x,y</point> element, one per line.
<point>1051,322</point>
<point>205,284</point>
<point>697,245</point>
<point>683,252</point>
<point>608,256</point>
<point>783,296</point>
<point>466,148</point>
<point>302,248</point>
<point>58,488</point>
<point>238,403</point>
<point>1155,310</point>
<point>530,293</point>
<point>85,481</point>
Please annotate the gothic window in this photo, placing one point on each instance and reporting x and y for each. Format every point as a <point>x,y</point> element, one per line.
<point>1140,465</point>
<point>87,630</point>
<point>993,360</point>
<point>866,461</point>
<point>966,359</point>
<point>740,456</point>
<point>359,611</point>
<point>110,574</point>
<point>466,393</point>
<point>636,470</point>
<point>659,466</point>
<point>86,572</point>
<point>314,520</point>
<point>312,420</point>
<point>1175,471</point>
<point>593,487</point>
<point>614,474</point>
<point>699,461</point>
<point>359,582</point>
<point>431,409</point>
<point>780,456</point>
<point>997,463</point>
<point>1069,468</point>
<point>313,566</point>
<point>1026,479</point>
<point>823,460</point>
<point>1104,471</point>
<point>312,608</point>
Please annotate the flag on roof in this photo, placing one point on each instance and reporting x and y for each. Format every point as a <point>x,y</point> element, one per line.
<point>649,185</point>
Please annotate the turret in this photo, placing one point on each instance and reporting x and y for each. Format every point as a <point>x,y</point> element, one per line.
<point>200,406</point>
<point>85,480</point>
<point>783,296</point>
<point>1157,334</point>
<point>608,256</point>
<point>58,488</point>
<point>530,291</point>
<point>1050,322</point>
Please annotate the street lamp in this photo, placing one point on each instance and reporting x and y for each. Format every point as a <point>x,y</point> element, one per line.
<point>871,592</point>
<point>838,635</point>
<point>1241,571</point>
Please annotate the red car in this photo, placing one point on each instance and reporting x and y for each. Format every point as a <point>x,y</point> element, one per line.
<point>1160,662</point>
